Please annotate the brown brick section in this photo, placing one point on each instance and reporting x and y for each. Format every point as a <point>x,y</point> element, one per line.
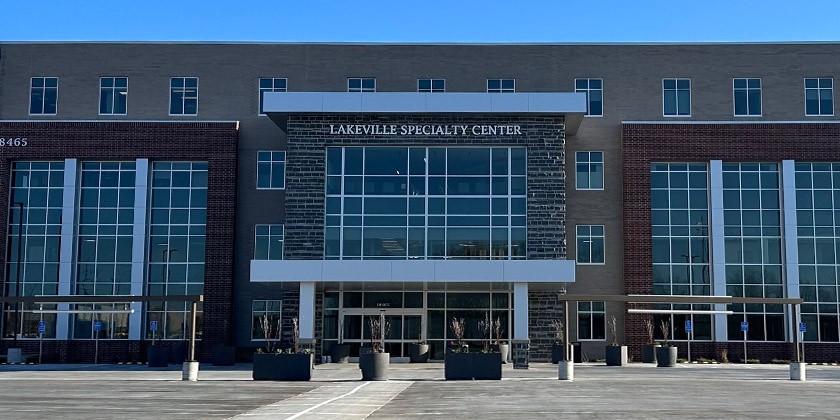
<point>643,144</point>
<point>214,142</point>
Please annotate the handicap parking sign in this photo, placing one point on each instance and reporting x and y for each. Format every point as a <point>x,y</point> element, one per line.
<point>97,325</point>
<point>42,327</point>
<point>745,326</point>
<point>153,325</point>
<point>688,327</point>
<point>801,327</point>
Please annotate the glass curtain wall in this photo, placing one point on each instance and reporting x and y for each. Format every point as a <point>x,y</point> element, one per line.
<point>38,186</point>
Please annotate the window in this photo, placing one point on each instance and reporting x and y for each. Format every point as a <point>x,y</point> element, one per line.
<point>431,85</point>
<point>425,203</point>
<point>266,316</point>
<point>183,96</point>
<point>594,89</point>
<point>271,170</point>
<point>268,242</point>
<point>819,97</point>
<point>113,95</point>
<point>589,170</point>
<point>591,321</point>
<point>746,95</point>
<point>501,85</point>
<point>361,84</point>
<point>271,85</point>
<point>676,97</point>
<point>43,95</point>
<point>590,244</point>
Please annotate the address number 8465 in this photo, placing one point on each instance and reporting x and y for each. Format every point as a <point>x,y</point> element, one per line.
<point>13,142</point>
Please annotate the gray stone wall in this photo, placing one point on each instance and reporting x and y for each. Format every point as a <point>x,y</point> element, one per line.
<point>543,307</point>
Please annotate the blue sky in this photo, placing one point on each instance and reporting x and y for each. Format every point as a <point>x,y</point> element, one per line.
<point>427,21</point>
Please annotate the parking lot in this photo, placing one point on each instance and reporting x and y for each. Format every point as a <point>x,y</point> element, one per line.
<point>419,392</point>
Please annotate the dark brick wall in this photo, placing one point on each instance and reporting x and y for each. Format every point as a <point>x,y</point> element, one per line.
<point>308,137</point>
<point>215,143</point>
<point>646,143</point>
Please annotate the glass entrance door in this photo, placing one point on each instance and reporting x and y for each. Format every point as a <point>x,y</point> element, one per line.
<point>404,327</point>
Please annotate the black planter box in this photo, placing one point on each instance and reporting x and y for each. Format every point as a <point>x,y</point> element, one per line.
<point>487,366</point>
<point>666,356</point>
<point>458,366</point>
<point>179,354</point>
<point>283,367</point>
<point>374,365</point>
<point>224,355</point>
<point>158,356</point>
<point>649,353</point>
<point>556,353</point>
<point>340,353</point>
<point>616,355</point>
<point>418,353</point>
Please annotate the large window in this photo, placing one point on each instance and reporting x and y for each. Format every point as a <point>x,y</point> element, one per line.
<point>431,85</point>
<point>183,96</point>
<point>361,84</point>
<point>819,97</point>
<point>268,242</point>
<point>589,170</point>
<point>268,84</point>
<point>113,95</point>
<point>38,187</point>
<point>676,97</point>
<point>43,95</point>
<point>818,229</point>
<point>746,95</point>
<point>752,248</point>
<point>680,227</point>
<point>501,85</point>
<point>591,321</point>
<point>104,246</point>
<point>271,170</point>
<point>594,89</point>
<point>419,202</point>
<point>590,244</point>
<point>177,229</point>
<point>270,313</point>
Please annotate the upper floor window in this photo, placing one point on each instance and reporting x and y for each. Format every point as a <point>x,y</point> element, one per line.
<point>747,97</point>
<point>819,97</point>
<point>269,84</point>
<point>268,242</point>
<point>676,97</point>
<point>183,96</point>
<point>589,170</point>
<point>271,170</point>
<point>501,85</point>
<point>594,89</point>
<point>361,84</point>
<point>431,85</point>
<point>43,95</point>
<point>265,319</point>
<point>113,95</point>
<point>590,244</point>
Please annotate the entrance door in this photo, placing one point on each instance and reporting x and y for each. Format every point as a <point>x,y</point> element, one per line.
<point>404,327</point>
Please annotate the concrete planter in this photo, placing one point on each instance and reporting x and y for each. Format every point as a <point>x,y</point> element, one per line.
<point>616,355</point>
<point>158,356</point>
<point>340,353</point>
<point>458,366</point>
<point>374,366</point>
<point>649,353</point>
<point>504,349</point>
<point>666,356</point>
<point>487,366</point>
<point>224,355</point>
<point>418,353</point>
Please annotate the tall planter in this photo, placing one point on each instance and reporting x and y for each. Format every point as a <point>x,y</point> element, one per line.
<point>666,356</point>
<point>418,353</point>
<point>340,353</point>
<point>487,366</point>
<point>504,349</point>
<point>374,366</point>
<point>616,355</point>
<point>458,366</point>
<point>158,356</point>
<point>649,353</point>
<point>556,353</point>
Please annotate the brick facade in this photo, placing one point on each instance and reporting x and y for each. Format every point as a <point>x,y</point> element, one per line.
<point>643,144</point>
<point>215,143</point>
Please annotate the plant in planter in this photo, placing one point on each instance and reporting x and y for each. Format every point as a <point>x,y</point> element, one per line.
<point>457,362</point>
<point>616,355</point>
<point>649,350</point>
<point>504,348</point>
<point>487,364</point>
<point>374,362</point>
<point>666,356</point>
<point>418,351</point>
<point>293,364</point>
<point>340,352</point>
<point>558,328</point>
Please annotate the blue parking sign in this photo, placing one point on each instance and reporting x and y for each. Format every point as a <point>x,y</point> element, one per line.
<point>801,327</point>
<point>745,326</point>
<point>42,327</point>
<point>97,325</point>
<point>688,327</point>
<point>153,325</point>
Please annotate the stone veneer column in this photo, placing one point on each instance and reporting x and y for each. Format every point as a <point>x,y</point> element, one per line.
<point>791,244</point>
<point>138,247</point>
<point>68,240</point>
<point>717,245</point>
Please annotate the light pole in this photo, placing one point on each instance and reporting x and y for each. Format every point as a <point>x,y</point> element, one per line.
<point>17,276</point>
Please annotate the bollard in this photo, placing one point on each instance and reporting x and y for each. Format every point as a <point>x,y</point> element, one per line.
<point>797,371</point>
<point>190,371</point>
<point>565,370</point>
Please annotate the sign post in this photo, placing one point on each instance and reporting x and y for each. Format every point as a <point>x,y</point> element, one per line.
<point>689,331</point>
<point>745,326</point>
<point>153,327</point>
<point>802,329</point>
<point>97,326</point>
<point>42,327</point>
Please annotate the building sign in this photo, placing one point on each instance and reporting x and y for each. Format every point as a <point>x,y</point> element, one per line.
<point>14,142</point>
<point>425,130</point>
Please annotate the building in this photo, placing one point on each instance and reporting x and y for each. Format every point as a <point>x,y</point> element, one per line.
<point>332,182</point>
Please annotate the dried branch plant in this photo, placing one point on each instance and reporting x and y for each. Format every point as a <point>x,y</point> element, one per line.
<point>559,332</point>
<point>666,332</point>
<point>649,328</point>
